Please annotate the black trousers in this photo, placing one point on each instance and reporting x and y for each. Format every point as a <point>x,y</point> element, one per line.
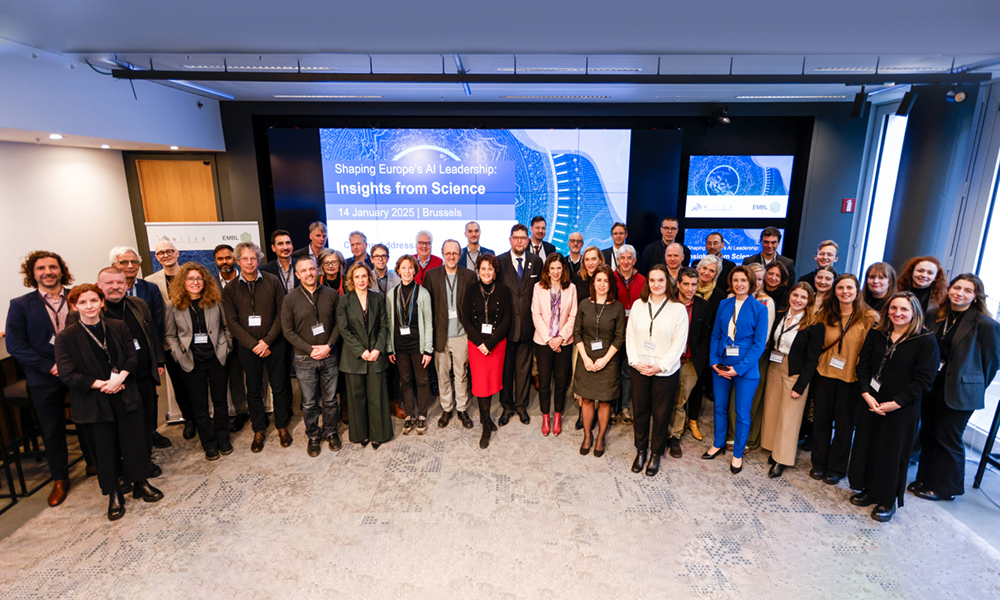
<point>209,377</point>
<point>415,384</point>
<point>50,406</point>
<point>150,404</point>
<point>180,391</point>
<point>124,434</point>
<point>516,376</point>
<point>653,403</point>
<point>237,383</point>
<point>551,365</point>
<point>698,395</point>
<point>834,413</point>
<point>277,377</point>
<point>942,454</point>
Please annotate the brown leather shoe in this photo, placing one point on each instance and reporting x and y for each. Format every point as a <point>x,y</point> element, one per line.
<point>258,442</point>
<point>284,437</point>
<point>400,413</point>
<point>91,470</point>
<point>695,432</point>
<point>60,488</point>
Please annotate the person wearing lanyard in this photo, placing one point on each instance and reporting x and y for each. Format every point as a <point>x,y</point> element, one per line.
<point>738,340</point>
<point>486,317</point>
<point>896,368</point>
<point>425,260</point>
<point>364,329</point>
<point>847,320</point>
<point>629,283</point>
<point>599,331</point>
<point>592,258</point>
<point>282,266</point>
<point>307,320</point>
<point>655,339</point>
<point>694,361</point>
<point>199,341</point>
<point>553,312</point>
<point>411,343</point>
<point>96,358</point>
<point>969,340</point>
<point>385,278</point>
<point>794,353</point>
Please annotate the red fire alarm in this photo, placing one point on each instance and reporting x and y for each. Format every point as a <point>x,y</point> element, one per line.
<point>847,205</point>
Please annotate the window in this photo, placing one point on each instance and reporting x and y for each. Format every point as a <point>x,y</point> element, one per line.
<point>890,148</point>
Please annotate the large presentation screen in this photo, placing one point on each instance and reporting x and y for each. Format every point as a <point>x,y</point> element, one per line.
<point>392,183</point>
<point>738,187</point>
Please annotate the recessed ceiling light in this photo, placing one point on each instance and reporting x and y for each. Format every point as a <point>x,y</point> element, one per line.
<point>203,66</point>
<point>105,146</point>
<point>551,69</point>
<point>838,69</point>
<point>614,69</point>
<point>174,148</point>
<point>558,97</point>
<point>912,69</point>
<point>55,136</point>
<point>321,96</point>
<point>789,97</point>
<point>260,68</point>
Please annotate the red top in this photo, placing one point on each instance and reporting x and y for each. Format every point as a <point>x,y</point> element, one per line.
<point>433,262</point>
<point>687,349</point>
<point>627,294</point>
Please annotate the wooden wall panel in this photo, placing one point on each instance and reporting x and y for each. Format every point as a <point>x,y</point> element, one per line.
<point>177,190</point>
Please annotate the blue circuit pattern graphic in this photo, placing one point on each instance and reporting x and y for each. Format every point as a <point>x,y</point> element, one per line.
<point>739,176</point>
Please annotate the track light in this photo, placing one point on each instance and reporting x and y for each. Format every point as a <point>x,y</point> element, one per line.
<point>954,95</point>
<point>859,103</point>
<point>906,103</point>
<point>719,117</point>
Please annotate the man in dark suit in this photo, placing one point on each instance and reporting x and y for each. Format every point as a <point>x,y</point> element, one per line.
<point>470,254</point>
<point>317,241</point>
<point>618,234</point>
<point>652,254</point>
<point>127,260</point>
<point>447,285</point>
<point>282,267</point>
<point>519,272</point>
<point>228,273</point>
<point>359,250</point>
<point>537,245</point>
<point>33,320</point>
<point>769,240</point>
<point>714,244</point>
<point>694,360</point>
<point>574,260</point>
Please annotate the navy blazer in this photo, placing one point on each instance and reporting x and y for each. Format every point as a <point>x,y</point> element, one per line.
<point>274,268</point>
<point>751,336</point>
<point>150,292</point>
<point>465,256</point>
<point>31,337</point>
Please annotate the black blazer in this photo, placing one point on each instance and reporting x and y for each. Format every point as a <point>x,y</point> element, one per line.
<point>473,309</point>
<point>974,359</point>
<point>79,368</point>
<point>140,310</point>
<point>788,263</point>
<point>30,337</point>
<point>653,254</point>
<point>522,329</point>
<point>464,258</point>
<point>907,375</point>
<point>436,282</point>
<point>803,356</point>
<point>274,268</point>
<point>727,268</point>
<point>357,338</point>
<point>700,333</point>
<point>150,293</point>
<point>547,247</point>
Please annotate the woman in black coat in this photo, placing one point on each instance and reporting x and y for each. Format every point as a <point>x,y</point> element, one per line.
<point>95,358</point>
<point>970,355</point>
<point>895,369</point>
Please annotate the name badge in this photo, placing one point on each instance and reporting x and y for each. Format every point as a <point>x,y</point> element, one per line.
<point>253,321</point>
<point>597,345</point>
<point>649,346</point>
<point>404,331</point>
<point>628,311</point>
<point>52,340</point>
<point>487,329</point>
<point>201,338</point>
<point>777,357</point>
<point>318,329</point>
<point>135,342</point>
<point>837,363</point>
<point>876,385</point>
<point>452,314</point>
<point>732,351</point>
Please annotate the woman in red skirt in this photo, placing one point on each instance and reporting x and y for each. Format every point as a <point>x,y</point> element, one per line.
<point>485,316</point>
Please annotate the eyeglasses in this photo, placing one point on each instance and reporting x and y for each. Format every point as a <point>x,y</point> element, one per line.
<point>576,242</point>
<point>166,252</point>
<point>452,253</point>
<point>331,263</point>
<point>668,228</point>
<point>195,280</point>
<point>520,238</point>
<point>129,262</point>
<point>423,243</point>
<point>380,256</point>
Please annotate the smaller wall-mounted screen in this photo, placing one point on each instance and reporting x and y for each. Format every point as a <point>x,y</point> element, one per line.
<point>740,243</point>
<point>738,187</point>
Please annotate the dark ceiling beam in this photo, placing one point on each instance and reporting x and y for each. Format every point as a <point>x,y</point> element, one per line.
<point>553,78</point>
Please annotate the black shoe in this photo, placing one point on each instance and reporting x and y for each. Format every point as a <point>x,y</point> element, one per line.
<point>124,486</point>
<point>719,452</point>
<point>212,454</point>
<point>154,470</point>
<point>445,419</point>
<point>523,415</point>
<point>653,466</point>
<point>832,479</point>
<point>505,417</point>
<point>882,513</point>
<point>364,443</point>
<point>585,450</point>
<point>225,447</point>
<point>238,422</point>
<point>600,453</point>
<point>408,425</point>
<point>334,442</point>
<point>862,499</point>
<point>927,494</point>
<point>675,447</point>
<point>116,506</point>
<point>148,493</point>
<point>190,430</point>
<point>816,474</point>
<point>776,470</point>
<point>484,440</point>
<point>579,423</point>
<point>639,462</point>
<point>161,441</point>
<point>375,445</point>
<point>734,469</point>
<point>771,461</point>
<point>313,447</point>
<point>463,416</point>
<point>915,487</point>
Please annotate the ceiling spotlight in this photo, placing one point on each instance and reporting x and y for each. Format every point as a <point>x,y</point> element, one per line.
<point>954,95</point>
<point>174,148</point>
<point>105,146</point>
<point>859,103</point>
<point>719,117</point>
<point>55,136</point>
<point>906,103</point>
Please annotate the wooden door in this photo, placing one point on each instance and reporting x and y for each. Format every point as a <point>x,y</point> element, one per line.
<point>177,190</point>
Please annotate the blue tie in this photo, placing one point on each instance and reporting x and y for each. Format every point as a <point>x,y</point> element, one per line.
<point>520,268</point>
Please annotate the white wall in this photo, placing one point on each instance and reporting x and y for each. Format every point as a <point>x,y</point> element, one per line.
<point>72,201</point>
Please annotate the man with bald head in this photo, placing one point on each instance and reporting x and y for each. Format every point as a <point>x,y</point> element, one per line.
<point>674,259</point>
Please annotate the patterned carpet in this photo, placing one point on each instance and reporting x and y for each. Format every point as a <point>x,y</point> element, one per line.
<point>434,516</point>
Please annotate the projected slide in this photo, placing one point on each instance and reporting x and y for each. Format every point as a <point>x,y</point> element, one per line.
<point>740,243</point>
<point>738,187</point>
<point>391,183</point>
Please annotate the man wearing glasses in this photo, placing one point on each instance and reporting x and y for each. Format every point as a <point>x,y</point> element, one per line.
<point>653,254</point>
<point>425,260</point>
<point>575,259</point>
<point>253,308</point>
<point>166,254</point>
<point>359,250</point>
<point>385,279</point>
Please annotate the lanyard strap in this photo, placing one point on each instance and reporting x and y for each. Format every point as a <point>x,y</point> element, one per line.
<point>309,298</point>
<point>407,305</point>
<point>652,317</point>
<point>55,311</point>
<point>599,314</point>
<point>785,330</point>
<point>486,300</point>
<point>103,345</point>
<point>888,352</point>
<point>843,332</point>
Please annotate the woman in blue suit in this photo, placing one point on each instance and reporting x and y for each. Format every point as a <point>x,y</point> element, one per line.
<point>738,340</point>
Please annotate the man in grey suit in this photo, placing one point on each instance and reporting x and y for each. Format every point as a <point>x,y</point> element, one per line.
<point>769,240</point>
<point>519,271</point>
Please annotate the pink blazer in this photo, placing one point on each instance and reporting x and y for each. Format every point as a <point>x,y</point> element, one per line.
<point>541,314</point>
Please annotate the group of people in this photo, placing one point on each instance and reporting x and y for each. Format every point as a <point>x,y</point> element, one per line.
<point>645,338</point>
